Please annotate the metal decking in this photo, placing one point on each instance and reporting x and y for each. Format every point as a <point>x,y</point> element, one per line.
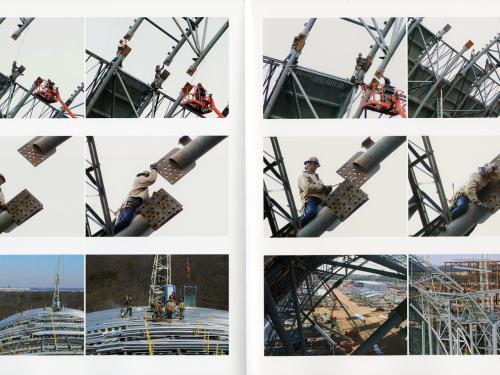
<point>326,92</point>
<point>43,331</point>
<point>203,331</point>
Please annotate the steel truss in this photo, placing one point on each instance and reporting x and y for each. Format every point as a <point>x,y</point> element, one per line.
<point>422,163</point>
<point>444,318</point>
<point>292,91</point>
<point>275,172</point>
<point>444,83</point>
<point>114,93</point>
<point>96,182</point>
<point>160,276</point>
<point>295,286</point>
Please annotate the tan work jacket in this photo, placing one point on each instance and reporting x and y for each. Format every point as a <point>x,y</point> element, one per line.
<point>140,187</point>
<point>310,185</point>
<point>474,185</point>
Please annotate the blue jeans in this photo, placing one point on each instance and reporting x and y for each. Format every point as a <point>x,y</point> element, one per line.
<point>310,210</point>
<point>460,206</point>
<point>127,214</point>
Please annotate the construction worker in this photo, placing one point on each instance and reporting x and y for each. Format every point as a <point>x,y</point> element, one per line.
<point>156,83</point>
<point>169,310</point>
<point>359,60</point>
<point>388,90</point>
<point>298,43</point>
<point>359,75</point>
<point>3,206</point>
<point>136,197</point>
<point>312,191</point>
<point>468,192</point>
<point>119,49</point>
<point>182,307</point>
<point>202,92</point>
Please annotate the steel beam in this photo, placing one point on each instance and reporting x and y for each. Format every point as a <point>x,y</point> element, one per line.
<point>192,69</point>
<point>396,317</point>
<point>21,102</point>
<point>292,60</point>
<point>25,22</point>
<point>71,99</point>
<point>440,77</point>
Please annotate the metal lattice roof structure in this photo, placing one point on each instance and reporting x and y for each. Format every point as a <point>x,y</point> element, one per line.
<point>203,331</point>
<point>43,331</point>
<point>442,79</point>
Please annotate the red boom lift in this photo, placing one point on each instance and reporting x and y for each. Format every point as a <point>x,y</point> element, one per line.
<point>385,99</point>
<point>199,101</point>
<point>46,91</point>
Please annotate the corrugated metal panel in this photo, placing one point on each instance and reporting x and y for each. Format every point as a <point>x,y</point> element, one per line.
<point>326,93</point>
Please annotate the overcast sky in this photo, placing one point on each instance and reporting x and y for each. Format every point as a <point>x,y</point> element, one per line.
<point>203,192</point>
<point>150,48</point>
<point>383,214</point>
<point>48,48</point>
<point>457,158</point>
<point>332,47</point>
<point>38,271</point>
<point>57,183</point>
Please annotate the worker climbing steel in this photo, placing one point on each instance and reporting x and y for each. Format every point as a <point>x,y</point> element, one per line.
<point>136,197</point>
<point>312,191</point>
<point>3,207</point>
<point>468,192</point>
<point>199,101</point>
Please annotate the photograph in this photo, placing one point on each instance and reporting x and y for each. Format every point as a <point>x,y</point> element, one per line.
<point>454,186</point>
<point>41,305</point>
<point>157,67</point>
<point>313,186</point>
<point>41,67</point>
<point>325,73</point>
<point>454,304</point>
<point>157,304</point>
<point>136,192</point>
<point>453,67</point>
<point>335,305</point>
<point>41,186</point>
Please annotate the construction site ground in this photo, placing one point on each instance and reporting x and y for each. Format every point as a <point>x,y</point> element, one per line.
<point>392,343</point>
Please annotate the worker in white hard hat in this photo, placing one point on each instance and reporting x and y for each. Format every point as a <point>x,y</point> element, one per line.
<point>312,191</point>
<point>2,197</point>
<point>468,192</point>
<point>136,197</point>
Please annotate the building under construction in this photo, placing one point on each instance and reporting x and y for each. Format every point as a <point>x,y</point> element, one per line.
<point>174,321</point>
<point>443,81</point>
<point>281,209</point>
<point>58,96</point>
<point>47,330</point>
<point>335,305</point>
<point>454,307</point>
<point>292,91</point>
<point>170,89</point>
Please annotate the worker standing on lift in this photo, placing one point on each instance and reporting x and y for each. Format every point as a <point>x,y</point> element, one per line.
<point>3,207</point>
<point>182,307</point>
<point>136,197</point>
<point>312,191</point>
<point>468,192</point>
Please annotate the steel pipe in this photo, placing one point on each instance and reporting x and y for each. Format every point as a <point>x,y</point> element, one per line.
<point>175,104</point>
<point>465,223</point>
<point>195,149</point>
<point>47,144</point>
<point>138,227</point>
<point>6,221</point>
<point>207,49</point>
<point>23,100</point>
<point>272,311</point>
<point>378,152</point>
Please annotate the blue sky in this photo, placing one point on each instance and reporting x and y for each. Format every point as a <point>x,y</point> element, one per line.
<point>24,271</point>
